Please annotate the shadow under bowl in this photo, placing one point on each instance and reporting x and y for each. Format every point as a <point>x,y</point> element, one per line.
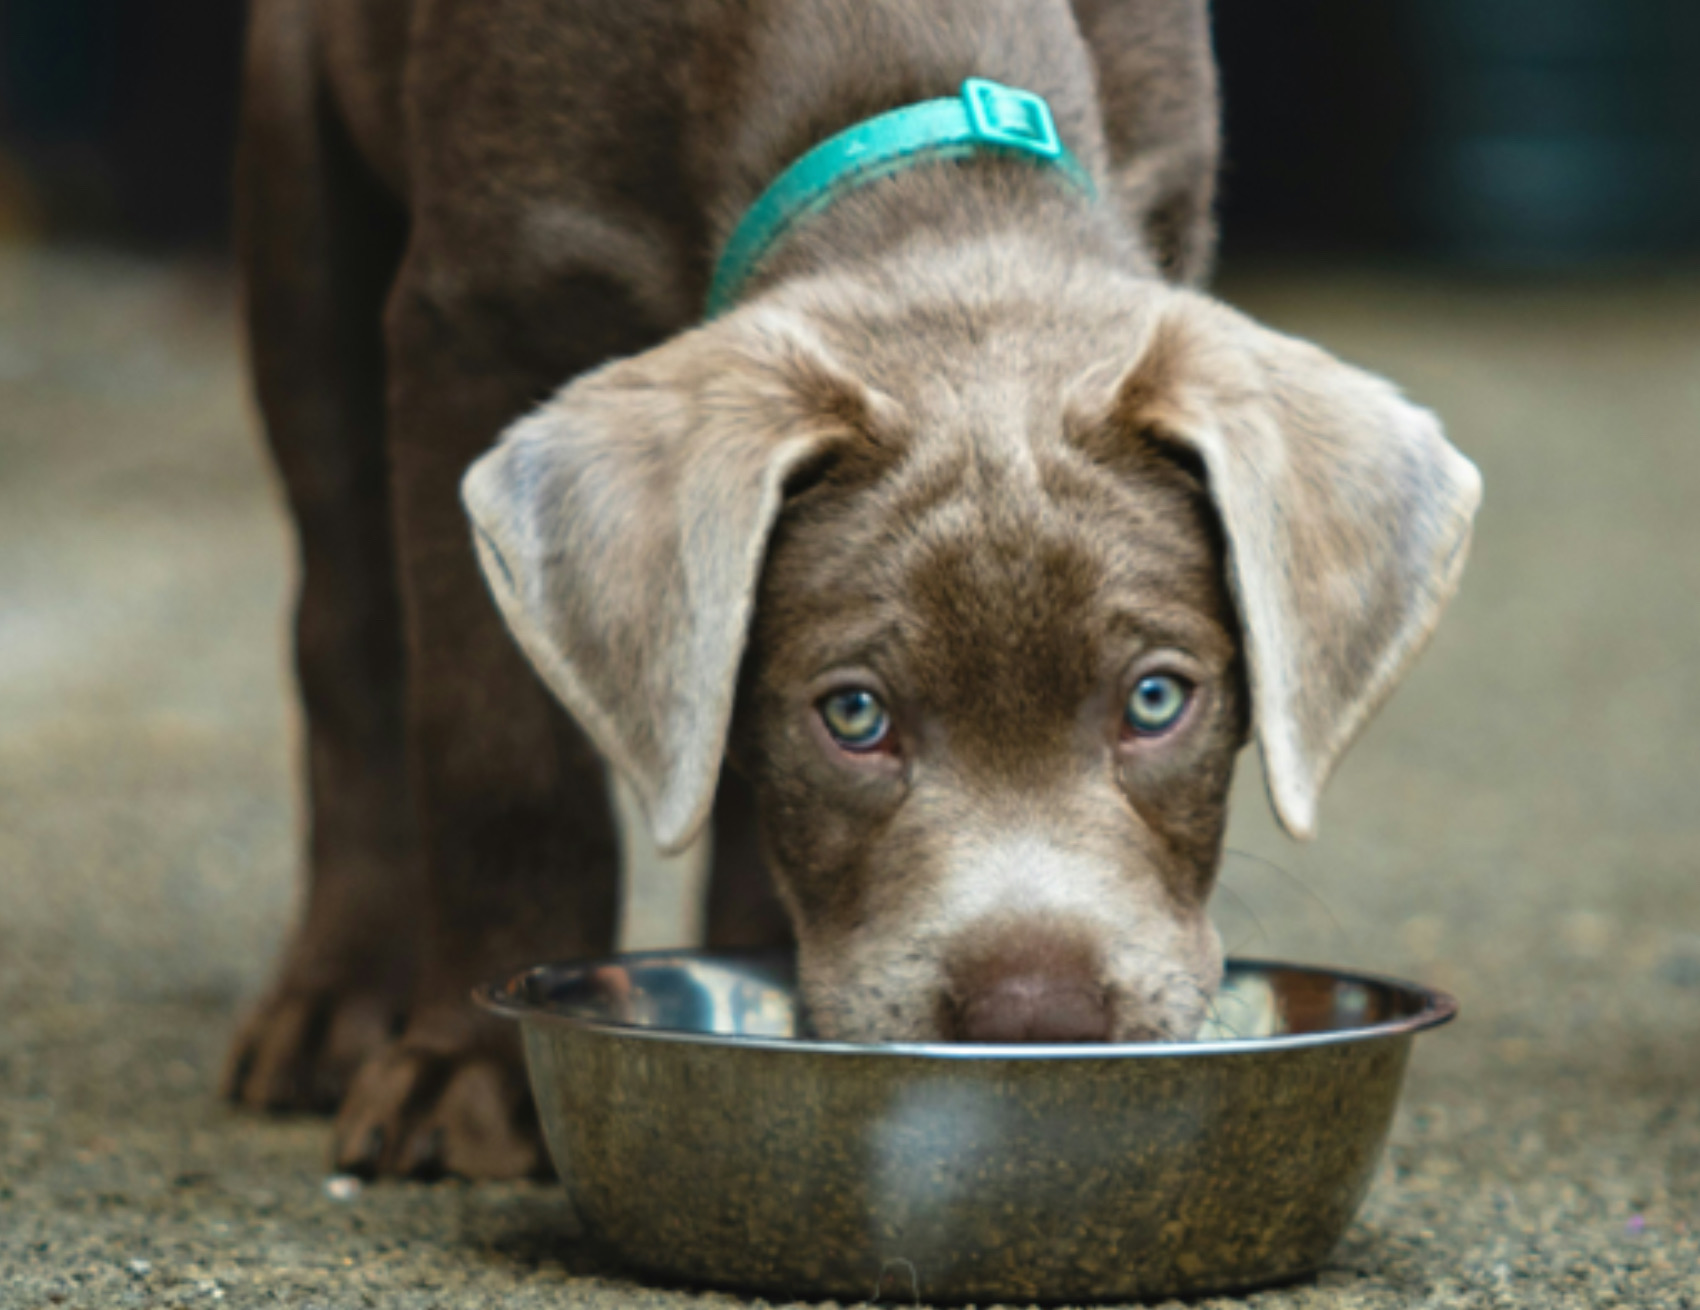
<point>702,1140</point>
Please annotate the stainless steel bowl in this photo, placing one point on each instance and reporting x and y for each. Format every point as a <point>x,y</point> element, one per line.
<point>703,1141</point>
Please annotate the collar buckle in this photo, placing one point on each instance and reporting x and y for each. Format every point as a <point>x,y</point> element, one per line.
<point>1009,118</point>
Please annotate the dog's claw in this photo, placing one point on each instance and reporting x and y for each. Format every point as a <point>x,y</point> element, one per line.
<point>362,1159</point>
<point>423,1158</point>
<point>238,1065</point>
<point>420,1109</point>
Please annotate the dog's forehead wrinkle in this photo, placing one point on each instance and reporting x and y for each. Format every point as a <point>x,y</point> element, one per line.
<point>987,589</point>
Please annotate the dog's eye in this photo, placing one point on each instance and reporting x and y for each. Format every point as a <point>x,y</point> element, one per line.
<point>1156,703</point>
<point>856,718</point>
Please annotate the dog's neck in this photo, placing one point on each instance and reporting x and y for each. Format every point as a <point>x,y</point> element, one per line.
<point>802,73</point>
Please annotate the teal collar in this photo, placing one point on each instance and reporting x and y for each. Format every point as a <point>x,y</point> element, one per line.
<point>986,118</point>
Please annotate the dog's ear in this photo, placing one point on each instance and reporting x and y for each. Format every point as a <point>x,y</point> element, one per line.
<point>1347,516</point>
<point>622,529</point>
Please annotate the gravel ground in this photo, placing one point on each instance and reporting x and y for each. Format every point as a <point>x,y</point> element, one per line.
<point>1520,826</point>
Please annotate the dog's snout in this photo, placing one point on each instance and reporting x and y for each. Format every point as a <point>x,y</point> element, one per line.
<point>1035,1007</point>
<point>1028,983</point>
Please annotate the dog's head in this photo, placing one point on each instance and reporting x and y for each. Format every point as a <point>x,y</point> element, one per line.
<point>984,593</point>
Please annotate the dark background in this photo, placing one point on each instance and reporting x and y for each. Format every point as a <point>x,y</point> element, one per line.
<point>1523,134</point>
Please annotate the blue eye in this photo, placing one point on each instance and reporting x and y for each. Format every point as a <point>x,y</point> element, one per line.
<point>856,718</point>
<point>1156,703</point>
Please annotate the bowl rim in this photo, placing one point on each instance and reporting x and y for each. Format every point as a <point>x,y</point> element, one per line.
<point>1438,1008</point>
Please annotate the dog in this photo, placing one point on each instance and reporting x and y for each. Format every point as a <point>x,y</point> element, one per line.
<point>947,570</point>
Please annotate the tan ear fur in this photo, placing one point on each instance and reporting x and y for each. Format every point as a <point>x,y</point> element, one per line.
<point>622,528</point>
<point>1347,516</point>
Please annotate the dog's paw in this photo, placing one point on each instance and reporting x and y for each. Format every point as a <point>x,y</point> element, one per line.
<point>300,1047</point>
<point>448,1097</point>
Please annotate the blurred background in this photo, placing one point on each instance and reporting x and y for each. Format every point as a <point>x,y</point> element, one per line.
<point>1494,202</point>
<point>1522,134</point>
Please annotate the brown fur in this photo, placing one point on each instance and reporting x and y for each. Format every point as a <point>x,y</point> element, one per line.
<point>963,440</point>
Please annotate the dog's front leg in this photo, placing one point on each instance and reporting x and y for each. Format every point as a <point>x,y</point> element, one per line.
<point>318,240</point>
<point>519,845</point>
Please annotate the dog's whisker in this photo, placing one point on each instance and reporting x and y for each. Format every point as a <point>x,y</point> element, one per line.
<point>1245,906</point>
<point>1213,1012</point>
<point>1292,879</point>
<point>1215,1015</point>
<point>1197,996</point>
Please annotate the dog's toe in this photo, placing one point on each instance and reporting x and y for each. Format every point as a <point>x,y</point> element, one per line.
<point>487,1125</point>
<point>273,1054</point>
<point>299,1050</point>
<point>422,1108</point>
<point>376,1111</point>
<point>358,1029</point>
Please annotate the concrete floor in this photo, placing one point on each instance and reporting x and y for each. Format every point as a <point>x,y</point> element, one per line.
<point>1521,826</point>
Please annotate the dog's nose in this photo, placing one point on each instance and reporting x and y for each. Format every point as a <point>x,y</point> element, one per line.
<point>1036,1007</point>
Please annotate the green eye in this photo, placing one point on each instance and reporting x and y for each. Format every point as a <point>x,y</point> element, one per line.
<point>857,720</point>
<point>1156,703</point>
